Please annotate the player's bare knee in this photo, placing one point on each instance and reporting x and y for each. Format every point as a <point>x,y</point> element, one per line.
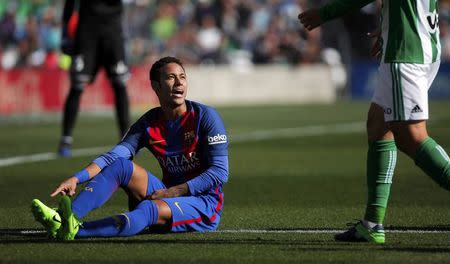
<point>164,212</point>
<point>376,127</point>
<point>137,186</point>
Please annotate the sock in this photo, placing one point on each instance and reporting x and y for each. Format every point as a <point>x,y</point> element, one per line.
<point>102,186</point>
<point>381,160</point>
<point>434,161</point>
<point>127,224</point>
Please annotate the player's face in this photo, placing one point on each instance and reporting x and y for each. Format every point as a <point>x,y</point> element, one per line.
<point>172,87</point>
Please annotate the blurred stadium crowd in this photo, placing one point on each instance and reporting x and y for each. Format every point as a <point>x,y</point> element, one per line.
<point>202,32</point>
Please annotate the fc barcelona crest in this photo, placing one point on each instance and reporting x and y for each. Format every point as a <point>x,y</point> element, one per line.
<point>189,137</point>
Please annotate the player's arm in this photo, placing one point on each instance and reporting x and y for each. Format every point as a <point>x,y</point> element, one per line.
<point>216,144</point>
<point>126,149</point>
<point>317,16</point>
<point>68,187</point>
<point>215,175</point>
<point>217,172</point>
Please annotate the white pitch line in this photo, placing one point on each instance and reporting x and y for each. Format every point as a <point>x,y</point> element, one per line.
<point>294,231</point>
<point>319,130</point>
<point>328,231</point>
<point>50,156</point>
<point>355,127</point>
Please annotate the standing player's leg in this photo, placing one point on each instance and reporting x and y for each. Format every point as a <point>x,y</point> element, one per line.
<point>113,58</point>
<point>381,161</point>
<point>70,112</point>
<point>412,136</point>
<point>82,71</point>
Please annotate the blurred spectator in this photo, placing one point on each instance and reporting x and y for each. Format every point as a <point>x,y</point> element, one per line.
<point>210,40</point>
<point>199,31</point>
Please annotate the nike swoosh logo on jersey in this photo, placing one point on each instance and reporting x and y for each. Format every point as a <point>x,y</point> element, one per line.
<point>177,204</point>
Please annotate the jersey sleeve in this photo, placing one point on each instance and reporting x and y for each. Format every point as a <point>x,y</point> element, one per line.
<point>215,175</point>
<point>131,143</point>
<point>214,133</point>
<point>216,144</point>
<point>136,136</point>
<point>338,8</point>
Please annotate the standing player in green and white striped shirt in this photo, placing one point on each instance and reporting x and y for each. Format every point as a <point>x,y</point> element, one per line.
<point>410,51</point>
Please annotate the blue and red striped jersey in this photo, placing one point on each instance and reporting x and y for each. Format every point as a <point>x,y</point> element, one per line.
<point>193,145</point>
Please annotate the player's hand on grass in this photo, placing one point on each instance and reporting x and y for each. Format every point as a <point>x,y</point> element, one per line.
<point>67,187</point>
<point>310,19</point>
<point>174,191</point>
<point>377,47</point>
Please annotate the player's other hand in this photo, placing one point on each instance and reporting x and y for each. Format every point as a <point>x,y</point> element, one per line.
<point>67,187</point>
<point>160,194</point>
<point>175,191</point>
<point>310,19</point>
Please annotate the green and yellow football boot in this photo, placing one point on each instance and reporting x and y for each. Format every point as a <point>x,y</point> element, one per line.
<point>359,233</point>
<point>47,216</point>
<point>69,223</point>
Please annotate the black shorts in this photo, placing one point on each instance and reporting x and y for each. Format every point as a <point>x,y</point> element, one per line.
<point>98,45</point>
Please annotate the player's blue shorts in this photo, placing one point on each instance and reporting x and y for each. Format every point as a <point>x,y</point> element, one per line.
<point>191,213</point>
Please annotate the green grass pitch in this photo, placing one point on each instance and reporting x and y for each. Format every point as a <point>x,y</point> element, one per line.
<point>297,174</point>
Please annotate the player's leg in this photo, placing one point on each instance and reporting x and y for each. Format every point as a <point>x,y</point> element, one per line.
<point>196,213</point>
<point>113,58</point>
<point>82,71</point>
<point>121,173</point>
<point>70,112</point>
<point>412,136</point>
<point>121,103</point>
<point>180,214</point>
<point>146,213</point>
<point>381,161</point>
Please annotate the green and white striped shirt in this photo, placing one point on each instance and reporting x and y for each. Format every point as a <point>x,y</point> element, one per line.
<point>410,30</point>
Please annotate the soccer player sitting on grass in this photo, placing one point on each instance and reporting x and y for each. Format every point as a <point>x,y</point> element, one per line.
<point>189,141</point>
<point>409,48</point>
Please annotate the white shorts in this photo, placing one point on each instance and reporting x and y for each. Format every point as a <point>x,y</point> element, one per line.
<point>402,90</point>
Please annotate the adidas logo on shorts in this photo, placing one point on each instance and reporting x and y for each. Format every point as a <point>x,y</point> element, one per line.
<point>416,109</point>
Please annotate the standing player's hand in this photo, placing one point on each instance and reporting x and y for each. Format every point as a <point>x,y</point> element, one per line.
<point>67,187</point>
<point>310,19</point>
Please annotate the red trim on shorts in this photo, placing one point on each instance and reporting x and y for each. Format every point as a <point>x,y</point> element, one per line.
<point>199,219</point>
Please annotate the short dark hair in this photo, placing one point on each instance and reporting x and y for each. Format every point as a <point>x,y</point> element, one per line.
<point>155,70</point>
